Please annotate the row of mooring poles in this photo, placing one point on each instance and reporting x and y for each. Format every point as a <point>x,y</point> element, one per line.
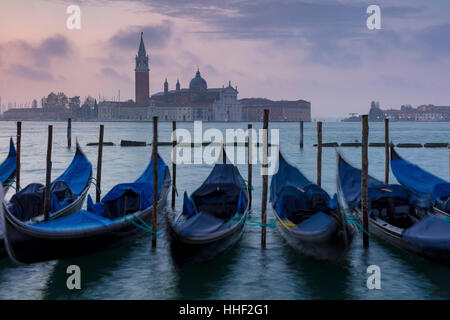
<point>364,166</point>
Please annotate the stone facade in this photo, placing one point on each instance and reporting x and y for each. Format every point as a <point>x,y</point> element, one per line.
<point>123,111</point>
<point>198,102</point>
<point>253,110</point>
<point>228,108</point>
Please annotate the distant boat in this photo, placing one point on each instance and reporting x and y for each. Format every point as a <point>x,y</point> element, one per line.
<point>213,217</point>
<point>122,215</point>
<point>305,218</point>
<point>354,117</point>
<point>8,167</point>
<point>68,192</point>
<point>422,183</point>
<point>394,214</point>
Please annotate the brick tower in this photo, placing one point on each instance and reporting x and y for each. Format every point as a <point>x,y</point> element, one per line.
<point>142,82</point>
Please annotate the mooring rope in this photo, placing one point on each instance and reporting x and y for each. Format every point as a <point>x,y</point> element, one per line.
<point>245,185</point>
<point>95,184</point>
<point>253,223</point>
<point>10,183</point>
<point>145,227</point>
<point>356,223</point>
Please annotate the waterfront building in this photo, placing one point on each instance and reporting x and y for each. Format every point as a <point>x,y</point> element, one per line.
<point>253,110</point>
<point>198,102</point>
<point>408,113</point>
<point>20,114</point>
<point>123,111</point>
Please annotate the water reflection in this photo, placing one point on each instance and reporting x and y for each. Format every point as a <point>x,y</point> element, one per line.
<point>321,279</point>
<point>93,268</point>
<point>204,280</point>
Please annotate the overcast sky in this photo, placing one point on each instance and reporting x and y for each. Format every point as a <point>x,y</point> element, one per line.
<point>317,50</point>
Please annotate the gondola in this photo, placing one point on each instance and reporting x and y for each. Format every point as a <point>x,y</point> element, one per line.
<point>68,193</point>
<point>307,217</point>
<point>422,183</point>
<point>121,215</point>
<point>8,167</point>
<point>212,218</point>
<point>395,214</point>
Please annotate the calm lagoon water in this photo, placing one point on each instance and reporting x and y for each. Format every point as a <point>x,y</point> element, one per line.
<point>246,271</point>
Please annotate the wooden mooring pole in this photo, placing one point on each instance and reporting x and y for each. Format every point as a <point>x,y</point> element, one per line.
<point>174,162</point>
<point>265,176</point>
<point>69,133</point>
<point>364,177</point>
<point>99,163</point>
<point>386,151</point>
<point>319,153</point>
<point>48,175</point>
<point>301,134</point>
<point>155,181</point>
<point>18,143</point>
<point>249,162</point>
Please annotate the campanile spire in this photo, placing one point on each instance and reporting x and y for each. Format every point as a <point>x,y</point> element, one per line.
<point>142,82</point>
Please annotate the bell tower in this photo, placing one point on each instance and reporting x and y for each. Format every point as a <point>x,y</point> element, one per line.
<point>142,82</point>
<point>166,87</point>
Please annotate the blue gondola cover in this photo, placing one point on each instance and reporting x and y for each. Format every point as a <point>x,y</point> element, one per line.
<point>29,202</point>
<point>350,180</point>
<point>80,221</point>
<point>431,232</point>
<point>188,206</point>
<point>200,225</point>
<point>78,173</point>
<point>320,225</point>
<point>97,215</point>
<point>419,181</point>
<point>8,167</point>
<point>291,192</point>
<point>141,190</point>
<point>223,185</point>
<point>287,175</point>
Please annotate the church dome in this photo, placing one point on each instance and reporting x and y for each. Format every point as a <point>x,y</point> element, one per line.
<point>198,83</point>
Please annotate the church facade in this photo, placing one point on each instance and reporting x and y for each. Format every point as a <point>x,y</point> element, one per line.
<point>196,102</point>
